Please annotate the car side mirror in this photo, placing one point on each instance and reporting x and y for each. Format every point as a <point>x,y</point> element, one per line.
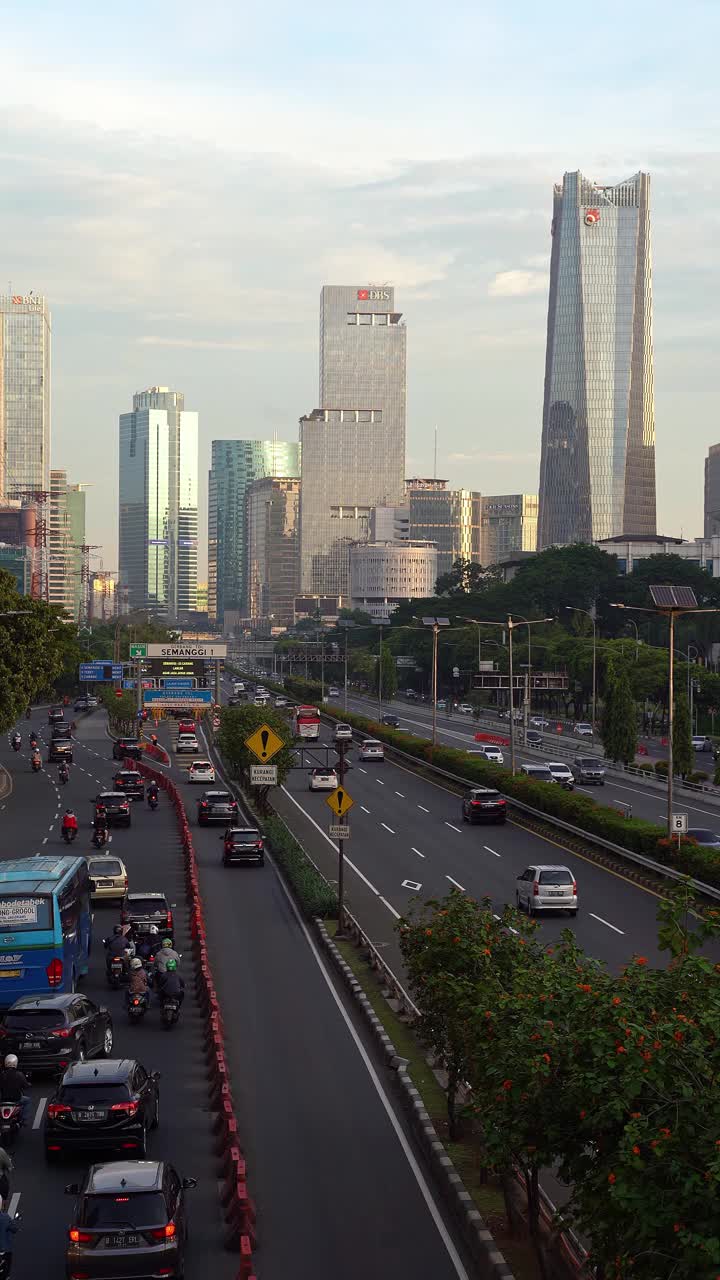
<point>155,1075</point>
<point>189,1183</point>
<point>72,1189</point>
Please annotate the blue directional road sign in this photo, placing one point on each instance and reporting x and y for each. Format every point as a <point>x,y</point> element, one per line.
<point>170,697</point>
<point>107,671</point>
<point>178,682</point>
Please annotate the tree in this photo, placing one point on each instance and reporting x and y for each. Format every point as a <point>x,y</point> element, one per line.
<point>465,576</point>
<point>37,646</point>
<point>239,723</point>
<point>683,754</point>
<point>619,727</point>
<point>389,672</point>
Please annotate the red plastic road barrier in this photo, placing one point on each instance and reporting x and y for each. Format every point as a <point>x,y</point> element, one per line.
<point>495,739</point>
<point>240,1218</point>
<point>246,1262</point>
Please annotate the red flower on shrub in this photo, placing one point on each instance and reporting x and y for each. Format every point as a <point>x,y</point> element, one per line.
<point>641,960</point>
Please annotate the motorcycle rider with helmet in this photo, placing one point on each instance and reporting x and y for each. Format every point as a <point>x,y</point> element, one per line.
<point>166,953</point>
<point>16,741</point>
<point>152,793</point>
<point>69,822</point>
<point>170,985</point>
<point>63,772</point>
<point>138,984</point>
<point>118,945</point>
<point>14,1086</point>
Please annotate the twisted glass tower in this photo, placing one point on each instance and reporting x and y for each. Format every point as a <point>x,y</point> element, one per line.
<point>597,467</point>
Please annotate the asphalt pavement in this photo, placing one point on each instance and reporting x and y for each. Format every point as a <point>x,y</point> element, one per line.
<point>29,822</point>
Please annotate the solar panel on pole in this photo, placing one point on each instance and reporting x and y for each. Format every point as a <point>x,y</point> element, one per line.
<point>668,596</point>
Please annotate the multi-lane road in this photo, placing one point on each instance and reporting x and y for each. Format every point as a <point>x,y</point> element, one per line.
<point>338,1186</point>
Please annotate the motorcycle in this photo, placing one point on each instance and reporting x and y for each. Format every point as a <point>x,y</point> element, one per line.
<point>69,834</point>
<point>170,1012</point>
<point>137,1006</point>
<point>36,764</point>
<point>10,1122</point>
<point>16,743</point>
<point>153,801</point>
<point>63,775</point>
<point>116,972</point>
<point>6,1255</point>
<point>99,837</point>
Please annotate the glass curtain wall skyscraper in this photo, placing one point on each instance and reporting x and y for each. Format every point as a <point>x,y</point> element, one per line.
<point>235,465</point>
<point>158,503</point>
<point>25,339</point>
<point>353,445</point>
<point>597,468</point>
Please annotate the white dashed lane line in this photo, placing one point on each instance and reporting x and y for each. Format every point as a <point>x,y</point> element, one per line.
<point>606,922</point>
<point>417,851</point>
<point>361,769</point>
<point>39,1113</point>
<point>400,794</point>
<point>422,806</point>
<point>453,828</point>
<point>362,806</point>
<point>387,828</point>
<point>379,780</point>
<point>487,846</point>
<point>457,886</point>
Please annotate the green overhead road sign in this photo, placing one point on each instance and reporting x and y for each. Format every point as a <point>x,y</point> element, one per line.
<point>138,651</point>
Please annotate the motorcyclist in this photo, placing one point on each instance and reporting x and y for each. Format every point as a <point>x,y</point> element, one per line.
<point>148,944</point>
<point>166,953</point>
<point>117,945</point>
<point>100,819</point>
<point>138,985</point>
<point>154,739</point>
<point>33,738</point>
<point>63,772</point>
<point>14,1086</point>
<point>69,822</point>
<point>35,760</point>
<point>152,792</point>
<point>16,741</point>
<point>170,985</point>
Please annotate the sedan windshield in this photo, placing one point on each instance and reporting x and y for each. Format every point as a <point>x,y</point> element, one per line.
<point>37,1019</point>
<point>142,1209</point>
<point>555,877</point>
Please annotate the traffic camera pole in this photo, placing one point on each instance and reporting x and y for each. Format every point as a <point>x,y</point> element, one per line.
<point>340,933</point>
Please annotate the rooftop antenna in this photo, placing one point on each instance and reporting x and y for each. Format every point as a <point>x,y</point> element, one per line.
<point>435,458</point>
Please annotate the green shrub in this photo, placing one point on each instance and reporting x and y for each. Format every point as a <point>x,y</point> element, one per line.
<point>646,767</point>
<point>661,768</point>
<point>698,776</point>
<point>315,896</point>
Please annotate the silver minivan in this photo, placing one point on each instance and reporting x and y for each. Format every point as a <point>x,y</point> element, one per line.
<point>546,888</point>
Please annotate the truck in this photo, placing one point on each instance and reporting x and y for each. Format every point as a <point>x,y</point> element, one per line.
<point>306,723</point>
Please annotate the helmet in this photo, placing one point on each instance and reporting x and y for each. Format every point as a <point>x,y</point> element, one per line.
<point>153,930</point>
<point>11,1062</point>
<point>136,963</point>
<point>117,930</point>
<point>171,966</point>
<point>167,942</point>
<point>69,813</point>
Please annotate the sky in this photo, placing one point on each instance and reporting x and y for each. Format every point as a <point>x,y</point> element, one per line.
<point>180,180</point>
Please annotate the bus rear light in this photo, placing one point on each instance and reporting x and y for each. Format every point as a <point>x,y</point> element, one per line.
<point>54,972</point>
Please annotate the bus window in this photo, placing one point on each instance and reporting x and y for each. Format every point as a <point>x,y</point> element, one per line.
<point>20,913</point>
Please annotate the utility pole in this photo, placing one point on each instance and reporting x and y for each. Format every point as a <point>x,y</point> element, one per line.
<point>341,748</point>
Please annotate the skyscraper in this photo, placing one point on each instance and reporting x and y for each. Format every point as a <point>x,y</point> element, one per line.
<point>712,491</point>
<point>451,518</point>
<point>597,468</point>
<point>75,504</point>
<point>235,465</point>
<point>158,503</point>
<point>353,445</point>
<point>509,524</point>
<point>60,584</point>
<point>272,551</point>
<point>25,337</point>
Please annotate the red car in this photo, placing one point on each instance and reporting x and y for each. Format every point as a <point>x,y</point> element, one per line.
<point>186,726</point>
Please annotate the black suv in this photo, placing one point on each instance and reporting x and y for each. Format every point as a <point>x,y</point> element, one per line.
<point>217,806</point>
<point>103,1105</point>
<point>130,1219</point>
<point>482,804</point>
<point>132,783</point>
<point>117,807</point>
<point>127,748</point>
<point>61,733</point>
<point>143,909</point>
<point>392,721</point>
<point>49,1032</point>
<point>60,749</point>
<point>55,715</point>
<point>243,844</point>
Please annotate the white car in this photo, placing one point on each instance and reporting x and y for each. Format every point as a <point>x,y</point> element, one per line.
<point>701,742</point>
<point>201,771</point>
<point>466,708</point>
<point>583,730</point>
<point>562,773</point>
<point>546,888</point>
<point>491,753</point>
<point>261,700</point>
<point>239,686</point>
<point>281,701</point>
<point>343,733</point>
<point>537,722</point>
<point>333,691</point>
<point>109,876</point>
<point>323,779</point>
<point>187,742</point>
<point>91,700</point>
<point>371,749</point>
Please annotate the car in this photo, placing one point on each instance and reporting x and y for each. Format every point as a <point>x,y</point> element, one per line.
<point>109,876</point>
<point>538,722</point>
<point>537,772</point>
<point>561,773</point>
<point>701,742</point>
<point>217,806</point>
<point>187,742</point>
<point>489,752</point>
<point>59,749</point>
<point>704,836</point>
<point>80,704</point>
<point>243,844</point>
<point>281,701</point>
<point>261,699</point>
<point>533,738</point>
<point>56,715</point>
<point>234,701</point>
<point>583,729</point>
<point>391,721</point>
<point>441,704</point>
<point>483,804</point>
<point>129,1219</point>
<point>466,708</point>
<point>323,779</point>
<point>143,909</point>
<point>61,733</point>
<point>546,888</point>
<point>105,1106</point>
<point>343,733</point>
<point>371,749</point>
<point>238,686</point>
<point>586,769</point>
<point>131,782</point>
<point>201,771</point>
<point>127,748</point>
<point>47,1033</point>
<point>91,701</point>
<point>411,695</point>
<point>187,726</point>
<point>333,691</point>
<point>117,807</point>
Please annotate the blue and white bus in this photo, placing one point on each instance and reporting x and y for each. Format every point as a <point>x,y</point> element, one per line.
<point>45,926</point>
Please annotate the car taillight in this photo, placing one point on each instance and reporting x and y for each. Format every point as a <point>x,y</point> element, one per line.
<point>63,1034</point>
<point>3,1032</point>
<point>79,1237</point>
<point>54,972</point>
<point>536,889</point>
<point>57,1109</point>
<point>259,844</point>
<point>164,1233</point>
<point>169,920</point>
<point>574,887</point>
<point>502,802</point>
<point>203,804</point>
<point>476,803</point>
<point>125,882</point>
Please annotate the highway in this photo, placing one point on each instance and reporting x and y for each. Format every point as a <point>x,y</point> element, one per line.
<point>647,799</point>
<point>29,821</point>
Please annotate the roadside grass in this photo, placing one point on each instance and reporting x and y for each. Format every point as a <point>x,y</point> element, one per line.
<point>465,1155</point>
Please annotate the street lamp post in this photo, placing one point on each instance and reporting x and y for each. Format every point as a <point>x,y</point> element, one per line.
<point>511,623</point>
<point>380,622</point>
<point>345,624</point>
<point>573,608</point>
<point>436,624</point>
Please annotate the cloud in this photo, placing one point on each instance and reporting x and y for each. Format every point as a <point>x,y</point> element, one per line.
<point>518,284</point>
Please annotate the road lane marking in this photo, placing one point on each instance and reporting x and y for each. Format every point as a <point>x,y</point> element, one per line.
<point>415,885</point>
<point>453,827</point>
<point>422,806</point>
<point>362,806</point>
<point>39,1113</point>
<point>45,840</point>
<point>400,794</point>
<point>390,908</point>
<point>607,922</point>
<point>361,769</point>
<point>417,851</point>
<point>487,846</point>
<point>457,886</point>
<point>325,836</point>
<point>382,784</point>
<point>387,828</point>
<point>13,1205</point>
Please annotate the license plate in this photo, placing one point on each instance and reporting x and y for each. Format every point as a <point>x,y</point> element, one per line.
<point>31,1044</point>
<point>121,1242</point>
<point>10,973</point>
<point>557,893</point>
<point>91,1115</point>
<point>104,884</point>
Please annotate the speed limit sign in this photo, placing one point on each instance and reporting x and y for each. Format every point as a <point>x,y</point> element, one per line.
<point>680,823</point>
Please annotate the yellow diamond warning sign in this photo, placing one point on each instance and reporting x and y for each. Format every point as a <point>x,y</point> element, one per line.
<point>339,802</point>
<point>264,743</point>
